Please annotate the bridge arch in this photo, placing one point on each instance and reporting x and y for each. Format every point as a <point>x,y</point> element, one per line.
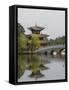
<point>46,53</point>
<point>53,52</point>
<point>62,51</point>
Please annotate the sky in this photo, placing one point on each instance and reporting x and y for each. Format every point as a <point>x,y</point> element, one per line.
<point>52,20</point>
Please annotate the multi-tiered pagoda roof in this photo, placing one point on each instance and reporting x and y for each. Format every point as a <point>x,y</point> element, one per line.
<point>36,28</point>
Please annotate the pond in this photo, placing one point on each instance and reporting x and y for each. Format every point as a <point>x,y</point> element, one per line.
<point>40,67</point>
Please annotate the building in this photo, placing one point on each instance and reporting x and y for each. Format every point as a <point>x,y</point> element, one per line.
<point>42,37</point>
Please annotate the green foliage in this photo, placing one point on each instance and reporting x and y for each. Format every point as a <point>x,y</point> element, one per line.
<point>22,41</point>
<point>59,40</point>
<point>35,42</point>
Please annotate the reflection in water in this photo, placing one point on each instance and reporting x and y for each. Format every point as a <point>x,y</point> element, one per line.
<point>36,66</point>
<point>40,67</point>
<point>22,63</point>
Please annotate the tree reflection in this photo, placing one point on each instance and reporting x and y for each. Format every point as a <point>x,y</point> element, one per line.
<point>22,64</point>
<point>36,67</point>
<point>31,62</point>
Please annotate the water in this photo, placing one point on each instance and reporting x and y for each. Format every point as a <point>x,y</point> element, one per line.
<point>40,67</point>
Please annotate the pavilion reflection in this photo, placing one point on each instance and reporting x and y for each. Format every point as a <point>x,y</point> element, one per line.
<point>36,66</point>
<point>32,63</point>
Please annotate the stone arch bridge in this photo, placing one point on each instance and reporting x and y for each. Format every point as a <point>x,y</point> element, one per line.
<point>50,49</point>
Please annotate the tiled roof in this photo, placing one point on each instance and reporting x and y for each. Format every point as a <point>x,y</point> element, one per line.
<point>36,28</point>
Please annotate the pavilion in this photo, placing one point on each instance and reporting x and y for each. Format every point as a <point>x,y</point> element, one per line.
<point>42,37</point>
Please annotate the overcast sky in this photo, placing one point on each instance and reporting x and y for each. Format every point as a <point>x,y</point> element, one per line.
<point>52,20</point>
